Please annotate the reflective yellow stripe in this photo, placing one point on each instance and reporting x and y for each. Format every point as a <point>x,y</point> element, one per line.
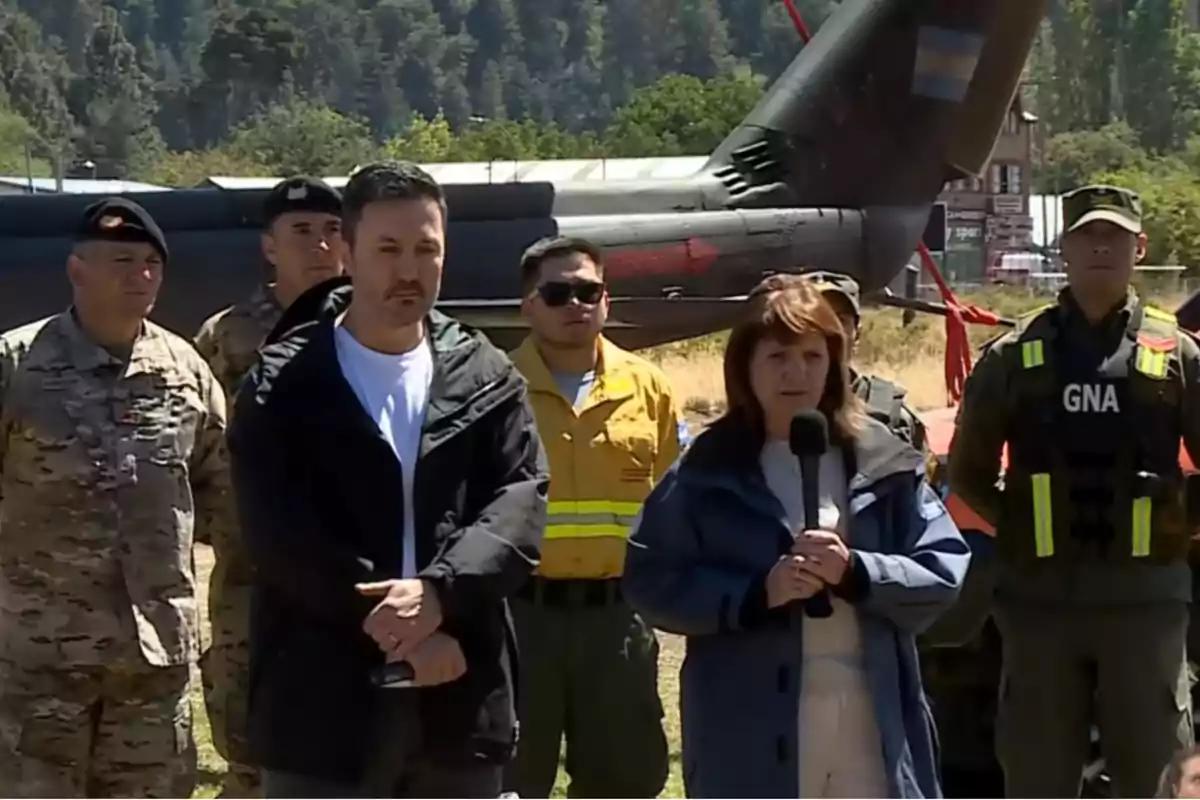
<point>1141,526</point>
<point>1043,522</point>
<point>593,531</point>
<point>1151,362</point>
<point>624,508</point>
<point>584,519</point>
<point>1160,314</point>
<point>1032,354</point>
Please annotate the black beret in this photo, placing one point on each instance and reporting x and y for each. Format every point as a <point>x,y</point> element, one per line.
<point>302,193</point>
<point>117,219</point>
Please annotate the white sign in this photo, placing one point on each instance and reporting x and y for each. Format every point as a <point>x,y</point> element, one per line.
<point>1008,204</point>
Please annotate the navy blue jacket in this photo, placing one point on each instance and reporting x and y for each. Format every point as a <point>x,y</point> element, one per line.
<point>708,535</point>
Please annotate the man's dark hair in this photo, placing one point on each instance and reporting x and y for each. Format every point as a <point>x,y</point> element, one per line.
<point>384,181</point>
<point>556,247</point>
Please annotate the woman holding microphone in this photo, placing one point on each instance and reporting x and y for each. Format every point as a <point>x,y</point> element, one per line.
<point>777,701</point>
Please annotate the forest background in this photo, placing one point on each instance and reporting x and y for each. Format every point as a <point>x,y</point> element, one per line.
<point>172,91</point>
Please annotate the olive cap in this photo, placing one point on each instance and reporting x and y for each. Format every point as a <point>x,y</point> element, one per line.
<point>836,283</point>
<point>1100,203</point>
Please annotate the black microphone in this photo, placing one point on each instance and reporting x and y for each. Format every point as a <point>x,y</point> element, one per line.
<point>808,439</point>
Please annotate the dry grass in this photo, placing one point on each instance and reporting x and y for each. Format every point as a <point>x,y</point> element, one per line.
<point>910,355</point>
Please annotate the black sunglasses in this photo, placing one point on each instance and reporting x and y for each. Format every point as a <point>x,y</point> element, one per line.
<point>558,293</point>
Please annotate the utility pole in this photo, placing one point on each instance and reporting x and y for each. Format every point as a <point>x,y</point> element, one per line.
<point>1041,168</point>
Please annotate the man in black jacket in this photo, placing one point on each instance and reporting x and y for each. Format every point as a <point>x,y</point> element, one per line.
<point>392,493</point>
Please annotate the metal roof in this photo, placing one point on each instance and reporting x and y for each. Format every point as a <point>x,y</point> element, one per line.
<point>80,185</point>
<point>557,171</point>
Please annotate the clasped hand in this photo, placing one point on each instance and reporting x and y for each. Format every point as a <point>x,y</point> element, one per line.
<point>405,626</point>
<point>818,558</point>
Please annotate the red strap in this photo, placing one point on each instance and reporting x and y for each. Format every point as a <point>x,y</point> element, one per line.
<point>958,316</point>
<point>797,20</point>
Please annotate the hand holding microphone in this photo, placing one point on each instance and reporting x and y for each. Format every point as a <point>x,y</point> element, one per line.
<point>789,581</point>
<point>825,556</point>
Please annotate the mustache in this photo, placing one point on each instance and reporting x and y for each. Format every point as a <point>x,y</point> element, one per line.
<point>403,288</point>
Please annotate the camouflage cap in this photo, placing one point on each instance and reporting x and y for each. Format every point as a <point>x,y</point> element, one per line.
<point>838,284</point>
<point>1099,203</point>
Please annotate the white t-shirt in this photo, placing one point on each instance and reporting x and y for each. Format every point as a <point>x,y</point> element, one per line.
<point>394,390</point>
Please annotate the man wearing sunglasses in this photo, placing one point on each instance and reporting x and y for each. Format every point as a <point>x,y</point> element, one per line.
<point>589,664</point>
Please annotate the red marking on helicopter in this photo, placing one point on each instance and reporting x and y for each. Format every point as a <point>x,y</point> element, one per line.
<point>694,255</point>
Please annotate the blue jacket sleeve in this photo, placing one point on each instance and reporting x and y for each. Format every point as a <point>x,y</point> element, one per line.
<point>666,579</point>
<point>913,586</point>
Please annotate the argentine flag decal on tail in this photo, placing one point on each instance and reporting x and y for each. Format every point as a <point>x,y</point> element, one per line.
<point>945,63</point>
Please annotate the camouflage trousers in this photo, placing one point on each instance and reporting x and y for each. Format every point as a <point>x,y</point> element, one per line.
<point>225,666</point>
<point>225,671</point>
<point>120,730</point>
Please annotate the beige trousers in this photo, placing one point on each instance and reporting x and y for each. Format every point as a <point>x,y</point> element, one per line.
<point>841,749</point>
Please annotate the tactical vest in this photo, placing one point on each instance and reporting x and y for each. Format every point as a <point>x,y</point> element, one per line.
<point>1094,447</point>
<point>885,403</point>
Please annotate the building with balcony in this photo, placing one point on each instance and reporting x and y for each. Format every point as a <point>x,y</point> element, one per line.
<point>990,215</point>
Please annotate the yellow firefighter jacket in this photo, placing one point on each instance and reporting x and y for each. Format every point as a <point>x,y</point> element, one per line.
<point>604,457</point>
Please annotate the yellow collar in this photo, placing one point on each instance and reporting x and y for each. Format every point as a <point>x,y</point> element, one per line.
<point>614,380</point>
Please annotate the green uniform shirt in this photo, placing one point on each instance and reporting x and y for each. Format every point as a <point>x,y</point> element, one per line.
<point>973,470</point>
<point>894,412</point>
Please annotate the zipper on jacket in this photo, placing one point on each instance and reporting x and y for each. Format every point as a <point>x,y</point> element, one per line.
<point>466,408</point>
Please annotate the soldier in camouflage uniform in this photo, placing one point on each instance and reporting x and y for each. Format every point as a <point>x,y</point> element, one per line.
<point>961,678</point>
<point>884,399</point>
<point>112,457</point>
<point>302,241</point>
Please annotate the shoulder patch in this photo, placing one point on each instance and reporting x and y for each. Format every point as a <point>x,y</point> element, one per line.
<point>1158,331</point>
